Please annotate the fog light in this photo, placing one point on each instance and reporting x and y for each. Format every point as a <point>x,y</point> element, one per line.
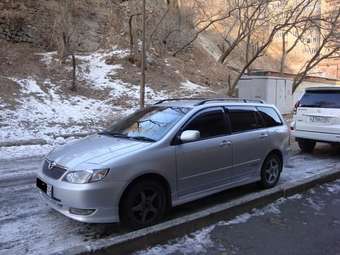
<point>78,211</point>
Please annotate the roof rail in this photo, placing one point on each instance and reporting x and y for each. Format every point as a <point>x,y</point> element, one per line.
<point>244,100</point>
<point>206,100</point>
<point>179,99</point>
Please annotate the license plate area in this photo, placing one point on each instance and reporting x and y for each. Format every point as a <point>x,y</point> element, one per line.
<point>318,119</point>
<point>45,187</point>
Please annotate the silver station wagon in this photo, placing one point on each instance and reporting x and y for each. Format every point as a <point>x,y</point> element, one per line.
<point>164,155</point>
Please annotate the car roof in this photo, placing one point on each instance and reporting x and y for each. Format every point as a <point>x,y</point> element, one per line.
<point>335,88</point>
<point>203,102</point>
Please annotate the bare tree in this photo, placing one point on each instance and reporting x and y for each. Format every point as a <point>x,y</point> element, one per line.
<point>132,38</point>
<point>247,19</point>
<point>64,31</point>
<point>259,30</point>
<point>329,45</point>
<point>207,20</point>
<point>298,32</point>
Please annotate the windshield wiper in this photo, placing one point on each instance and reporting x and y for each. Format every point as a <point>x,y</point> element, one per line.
<point>114,134</point>
<point>142,138</point>
<point>120,135</point>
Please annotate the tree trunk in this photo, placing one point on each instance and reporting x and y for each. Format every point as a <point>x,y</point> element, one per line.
<point>142,84</point>
<point>74,78</point>
<point>283,55</point>
<point>248,46</point>
<point>131,57</point>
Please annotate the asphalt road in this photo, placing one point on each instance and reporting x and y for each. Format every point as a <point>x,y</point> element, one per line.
<point>28,226</point>
<point>307,224</point>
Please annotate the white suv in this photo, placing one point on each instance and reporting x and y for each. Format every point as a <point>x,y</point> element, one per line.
<point>317,117</point>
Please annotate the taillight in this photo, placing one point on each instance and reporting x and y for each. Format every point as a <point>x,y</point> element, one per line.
<point>296,106</point>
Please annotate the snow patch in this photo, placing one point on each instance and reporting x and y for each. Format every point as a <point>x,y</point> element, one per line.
<point>47,57</point>
<point>96,71</point>
<point>304,166</point>
<point>333,188</point>
<point>193,87</point>
<point>28,85</point>
<point>197,242</point>
<point>317,206</point>
<point>243,218</point>
<point>49,113</point>
<point>26,151</point>
<point>120,53</point>
<point>100,75</point>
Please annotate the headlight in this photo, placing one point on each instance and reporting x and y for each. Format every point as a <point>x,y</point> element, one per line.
<point>86,176</point>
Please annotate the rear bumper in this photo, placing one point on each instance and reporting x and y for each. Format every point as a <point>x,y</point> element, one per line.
<point>317,136</point>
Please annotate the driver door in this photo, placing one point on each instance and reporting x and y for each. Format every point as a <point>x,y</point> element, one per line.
<point>206,162</point>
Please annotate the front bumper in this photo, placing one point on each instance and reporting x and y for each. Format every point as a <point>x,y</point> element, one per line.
<point>102,197</point>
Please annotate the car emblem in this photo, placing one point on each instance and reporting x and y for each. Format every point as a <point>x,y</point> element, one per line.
<point>51,165</point>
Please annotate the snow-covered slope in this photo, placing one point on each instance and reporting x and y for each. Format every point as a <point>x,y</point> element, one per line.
<point>43,110</point>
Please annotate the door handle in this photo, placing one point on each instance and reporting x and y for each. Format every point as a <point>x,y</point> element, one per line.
<point>224,143</point>
<point>262,136</point>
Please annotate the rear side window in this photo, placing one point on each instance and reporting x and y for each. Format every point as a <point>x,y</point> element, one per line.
<point>210,124</point>
<point>270,116</point>
<point>321,99</point>
<point>243,119</point>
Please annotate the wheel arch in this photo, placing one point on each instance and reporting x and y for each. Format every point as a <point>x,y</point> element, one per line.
<point>148,176</point>
<point>275,152</point>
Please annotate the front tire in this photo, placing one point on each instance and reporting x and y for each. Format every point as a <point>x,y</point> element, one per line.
<point>271,171</point>
<point>143,205</point>
<point>306,145</point>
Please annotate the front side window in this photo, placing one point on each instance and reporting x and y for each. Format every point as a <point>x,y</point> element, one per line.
<point>149,124</point>
<point>209,124</point>
<point>321,99</point>
<point>243,119</point>
<point>270,116</point>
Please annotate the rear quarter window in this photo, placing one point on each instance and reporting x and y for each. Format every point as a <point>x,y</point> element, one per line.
<point>243,119</point>
<point>270,117</point>
<point>321,99</point>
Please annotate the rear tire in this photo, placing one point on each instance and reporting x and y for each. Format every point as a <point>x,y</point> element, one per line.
<point>144,204</point>
<point>271,171</point>
<point>306,145</point>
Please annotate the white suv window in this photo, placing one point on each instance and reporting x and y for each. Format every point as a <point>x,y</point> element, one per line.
<point>321,99</point>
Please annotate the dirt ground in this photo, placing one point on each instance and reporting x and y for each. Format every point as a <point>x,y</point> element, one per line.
<point>22,60</point>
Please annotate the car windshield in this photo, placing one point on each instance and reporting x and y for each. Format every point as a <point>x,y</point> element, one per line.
<point>149,124</point>
<point>321,99</point>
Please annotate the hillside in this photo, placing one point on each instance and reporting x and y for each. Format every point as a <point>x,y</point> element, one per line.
<point>36,100</point>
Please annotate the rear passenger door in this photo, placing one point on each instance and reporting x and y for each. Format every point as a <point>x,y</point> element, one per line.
<point>250,141</point>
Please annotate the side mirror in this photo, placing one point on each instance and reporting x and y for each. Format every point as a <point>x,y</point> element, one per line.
<point>190,136</point>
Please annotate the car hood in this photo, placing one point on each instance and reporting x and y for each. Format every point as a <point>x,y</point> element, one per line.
<point>93,150</point>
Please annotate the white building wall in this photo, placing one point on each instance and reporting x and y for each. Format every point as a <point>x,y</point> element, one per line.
<point>274,90</point>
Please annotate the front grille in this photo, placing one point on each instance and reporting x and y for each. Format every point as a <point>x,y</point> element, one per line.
<point>55,172</point>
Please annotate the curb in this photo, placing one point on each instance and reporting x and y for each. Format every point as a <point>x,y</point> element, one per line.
<point>141,239</point>
<point>42,141</point>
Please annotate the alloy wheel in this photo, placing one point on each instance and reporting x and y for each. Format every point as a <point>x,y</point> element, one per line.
<point>272,170</point>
